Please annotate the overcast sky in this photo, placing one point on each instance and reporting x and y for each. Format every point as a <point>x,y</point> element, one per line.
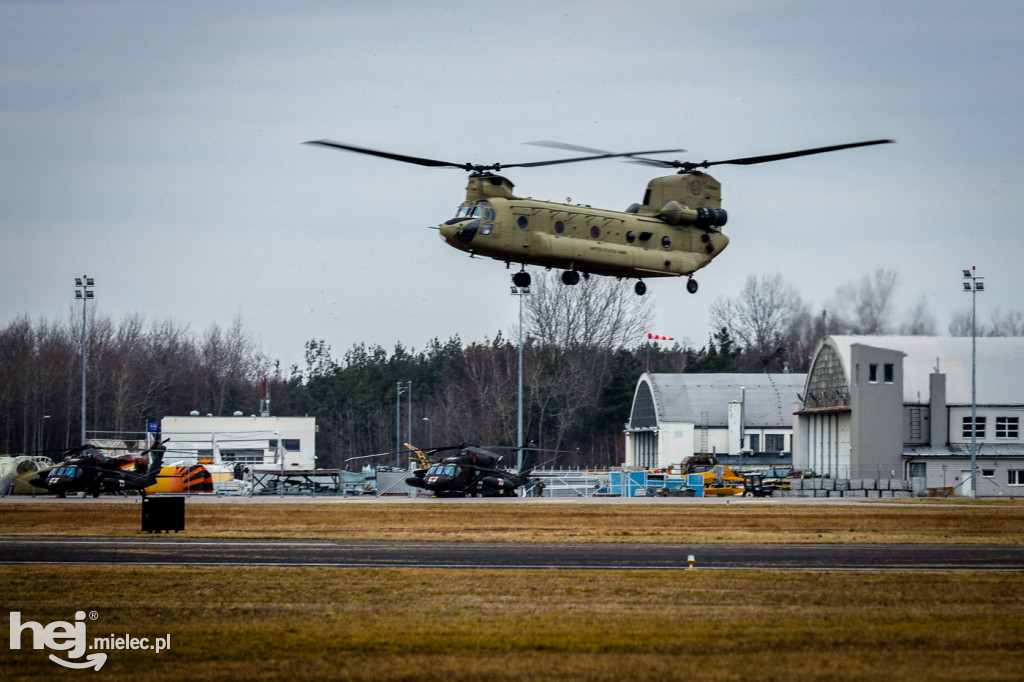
<point>157,148</point>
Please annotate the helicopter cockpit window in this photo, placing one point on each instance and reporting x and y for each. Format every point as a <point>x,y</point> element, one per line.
<point>479,209</point>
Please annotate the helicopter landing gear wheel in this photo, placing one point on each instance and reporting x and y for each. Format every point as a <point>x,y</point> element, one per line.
<point>570,277</point>
<point>691,286</point>
<point>521,279</point>
<point>640,288</point>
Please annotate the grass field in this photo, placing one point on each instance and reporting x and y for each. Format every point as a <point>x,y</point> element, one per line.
<point>434,624</point>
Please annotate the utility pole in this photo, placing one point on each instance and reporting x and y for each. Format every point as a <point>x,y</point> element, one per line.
<point>83,292</point>
<point>519,292</point>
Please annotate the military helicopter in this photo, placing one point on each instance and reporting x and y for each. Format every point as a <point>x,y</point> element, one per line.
<point>94,473</point>
<point>472,471</point>
<point>676,231</point>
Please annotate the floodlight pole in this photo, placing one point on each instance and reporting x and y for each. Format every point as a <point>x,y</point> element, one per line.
<point>519,292</point>
<point>39,434</point>
<point>973,284</point>
<point>398,423</point>
<point>83,291</point>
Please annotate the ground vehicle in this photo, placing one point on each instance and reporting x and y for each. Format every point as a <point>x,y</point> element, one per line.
<point>754,486</point>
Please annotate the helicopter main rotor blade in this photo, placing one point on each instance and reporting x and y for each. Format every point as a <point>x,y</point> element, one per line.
<point>419,161</point>
<point>751,160</point>
<point>552,144</point>
<point>435,163</point>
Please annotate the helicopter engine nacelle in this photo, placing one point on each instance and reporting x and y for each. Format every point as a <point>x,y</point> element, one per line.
<point>704,217</point>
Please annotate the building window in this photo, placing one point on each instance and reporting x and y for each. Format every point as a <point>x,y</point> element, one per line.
<point>774,442</point>
<point>888,368</point>
<point>1007,427</point>
<point>988,473</point>
<point>873,373</point>
<point>979,428</point>
<point>755,442</point>
<point>1015,476</point>
<point>289,444</point>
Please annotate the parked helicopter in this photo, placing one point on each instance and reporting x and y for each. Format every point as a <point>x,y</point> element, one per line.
<point>94,473</point>
<point>472,471</point>
<point>676,231</point>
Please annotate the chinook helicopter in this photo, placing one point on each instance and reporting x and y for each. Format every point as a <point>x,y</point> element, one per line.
<point>472,471</point>
<point>676,231</point>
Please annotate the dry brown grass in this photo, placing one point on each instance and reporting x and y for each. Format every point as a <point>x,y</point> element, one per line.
<point>507,521</point>
<point>382,624</point>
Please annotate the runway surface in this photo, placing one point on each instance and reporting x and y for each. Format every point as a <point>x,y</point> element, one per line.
<point>168,550</point>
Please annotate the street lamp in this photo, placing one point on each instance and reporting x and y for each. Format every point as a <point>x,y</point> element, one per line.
<point>39,434</point>
<point>83,292</point>
<point>520,291</point>
<point>430,430</point>
<point>974,284</point>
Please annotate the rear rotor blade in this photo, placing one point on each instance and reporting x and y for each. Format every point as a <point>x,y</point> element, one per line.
<point>751,160</point>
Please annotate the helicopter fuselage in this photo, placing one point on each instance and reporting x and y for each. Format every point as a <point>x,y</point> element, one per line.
<point>663,237</point>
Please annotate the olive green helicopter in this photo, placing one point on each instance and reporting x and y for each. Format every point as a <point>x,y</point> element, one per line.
<point>676,231</point>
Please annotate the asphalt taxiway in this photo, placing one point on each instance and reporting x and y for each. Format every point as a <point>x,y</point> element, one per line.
<point>168,550</point>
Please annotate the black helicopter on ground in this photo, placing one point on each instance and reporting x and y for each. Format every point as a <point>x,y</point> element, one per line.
<point>472,471</point>
<point>93,472</point>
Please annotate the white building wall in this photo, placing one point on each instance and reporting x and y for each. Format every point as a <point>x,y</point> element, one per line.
<point>675,443</point>
<point>280,443</point>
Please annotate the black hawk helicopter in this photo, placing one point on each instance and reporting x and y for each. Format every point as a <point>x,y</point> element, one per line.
<point>676,231</point>
<point>472,471</point>
<point>93,472</point>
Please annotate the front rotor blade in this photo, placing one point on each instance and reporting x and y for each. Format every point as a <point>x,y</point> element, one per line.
<point>433,163</point>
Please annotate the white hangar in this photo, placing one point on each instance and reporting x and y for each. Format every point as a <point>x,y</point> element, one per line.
<point>900,407</point>
<point>675,416</point>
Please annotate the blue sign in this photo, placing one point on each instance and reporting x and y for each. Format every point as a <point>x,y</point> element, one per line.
<point>152,426</point>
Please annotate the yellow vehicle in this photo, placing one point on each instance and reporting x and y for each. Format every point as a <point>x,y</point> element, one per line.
<point>719,479</point>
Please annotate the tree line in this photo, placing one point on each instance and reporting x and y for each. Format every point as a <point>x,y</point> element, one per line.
<point>581,360</point>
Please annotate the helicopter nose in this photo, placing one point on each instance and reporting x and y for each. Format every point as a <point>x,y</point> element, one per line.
<point>460,230</point>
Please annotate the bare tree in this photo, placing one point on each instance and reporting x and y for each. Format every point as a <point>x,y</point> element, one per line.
<point>921,322</point>
<point>765,319</point>
<point>574,332</point>
<point>599,312</point>
<point>1007,323</point>
<point>865,307</point>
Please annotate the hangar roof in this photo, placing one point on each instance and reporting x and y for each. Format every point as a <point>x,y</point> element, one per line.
<point>1000,366</point>
<point>769,399</point>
